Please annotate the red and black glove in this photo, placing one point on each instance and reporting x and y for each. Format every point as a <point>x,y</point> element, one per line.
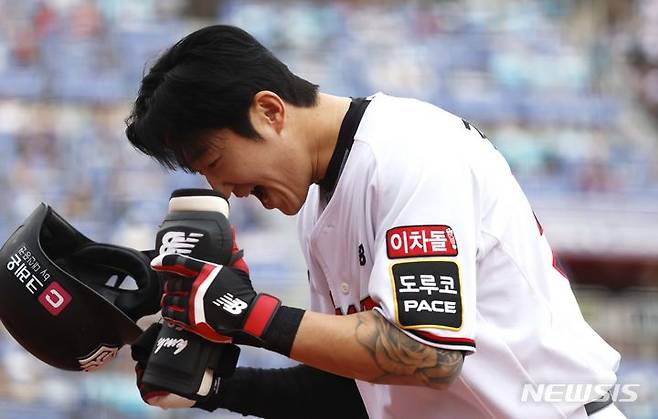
<point>237,259</point>
<point>180,292</point>
<point>214,300</point>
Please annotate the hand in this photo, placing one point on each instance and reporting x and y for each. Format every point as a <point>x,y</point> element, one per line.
<point>222,365</point>
<point>153,396</point>
<point>214,301</point>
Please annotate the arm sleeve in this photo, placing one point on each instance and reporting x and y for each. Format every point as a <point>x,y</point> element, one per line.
<point>425,245</point>
<point>296,392</point>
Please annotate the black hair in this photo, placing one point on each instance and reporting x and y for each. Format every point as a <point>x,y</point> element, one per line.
<point>205,82</point>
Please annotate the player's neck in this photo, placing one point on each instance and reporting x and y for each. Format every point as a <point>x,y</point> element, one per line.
<point>321,125</point>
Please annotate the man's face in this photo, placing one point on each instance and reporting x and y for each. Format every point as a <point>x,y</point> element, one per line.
<point>273,169</point>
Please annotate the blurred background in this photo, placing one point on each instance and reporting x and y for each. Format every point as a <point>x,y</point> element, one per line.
<point>566,89</point>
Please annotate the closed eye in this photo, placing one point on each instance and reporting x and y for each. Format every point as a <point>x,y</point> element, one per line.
<point>214,162</point>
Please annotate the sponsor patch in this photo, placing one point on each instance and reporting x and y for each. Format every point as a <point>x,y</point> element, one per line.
<point>427,294</point>
<point>420,240</point>
<point>55,299</point>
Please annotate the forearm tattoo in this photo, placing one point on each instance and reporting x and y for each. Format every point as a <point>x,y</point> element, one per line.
<point>402,359</point>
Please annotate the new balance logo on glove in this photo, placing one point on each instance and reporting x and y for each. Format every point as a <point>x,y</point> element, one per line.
<point>231,304</point>
<point>177,242</point>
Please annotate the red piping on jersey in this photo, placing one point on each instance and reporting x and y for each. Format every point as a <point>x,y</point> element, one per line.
<point>368,304</point>
<point>441,339</point>
<point>556,265</point>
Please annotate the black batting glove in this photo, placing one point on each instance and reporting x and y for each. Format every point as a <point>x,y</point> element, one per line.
<point>214,301</point>
<point>142,350</point>
<point>152,395</point>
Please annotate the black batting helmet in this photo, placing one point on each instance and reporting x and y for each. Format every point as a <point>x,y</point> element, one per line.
<point>61,294</point>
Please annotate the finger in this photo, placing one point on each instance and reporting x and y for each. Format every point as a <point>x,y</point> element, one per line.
<point>178,264</point>
<point>150,396</point>
<point>175,315</point>
<point>178,286</point>
<point>170,401</point>
<point>205,331</point>
<point>173,300</point>
<point>178,325</point>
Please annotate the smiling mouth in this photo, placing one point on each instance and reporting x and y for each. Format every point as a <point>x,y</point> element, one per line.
<point>261,193</point>
<point>258,192</point>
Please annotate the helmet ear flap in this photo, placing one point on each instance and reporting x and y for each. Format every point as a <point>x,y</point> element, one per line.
<point>107,269</point>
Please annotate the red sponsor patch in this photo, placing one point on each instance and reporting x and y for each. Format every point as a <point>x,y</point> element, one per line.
<point>55,299</point>
<point>421,240</point>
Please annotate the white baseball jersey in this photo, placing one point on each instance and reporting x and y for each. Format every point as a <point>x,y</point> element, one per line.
<point>428,226</point>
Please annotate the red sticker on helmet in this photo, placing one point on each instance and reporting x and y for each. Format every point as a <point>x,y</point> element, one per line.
<point>55,299</point>
<point>420,240</point>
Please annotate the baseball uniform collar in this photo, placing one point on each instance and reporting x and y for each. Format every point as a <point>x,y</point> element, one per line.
<point>344,143</point>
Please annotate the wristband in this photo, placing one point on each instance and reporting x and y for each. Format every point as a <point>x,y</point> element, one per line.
<point>280,335</point>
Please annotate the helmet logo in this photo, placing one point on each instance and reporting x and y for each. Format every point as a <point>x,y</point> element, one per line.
<point>98,358</point>
<point>179,344</point>
<point>55,299</point>
<point>177,242</point>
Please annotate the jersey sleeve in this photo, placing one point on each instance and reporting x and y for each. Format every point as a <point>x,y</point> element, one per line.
<point>425,219</point>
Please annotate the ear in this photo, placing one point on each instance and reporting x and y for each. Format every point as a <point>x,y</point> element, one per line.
<point>267,111</point>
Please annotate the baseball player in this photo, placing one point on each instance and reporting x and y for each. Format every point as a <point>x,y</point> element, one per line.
<point>434,292</point>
